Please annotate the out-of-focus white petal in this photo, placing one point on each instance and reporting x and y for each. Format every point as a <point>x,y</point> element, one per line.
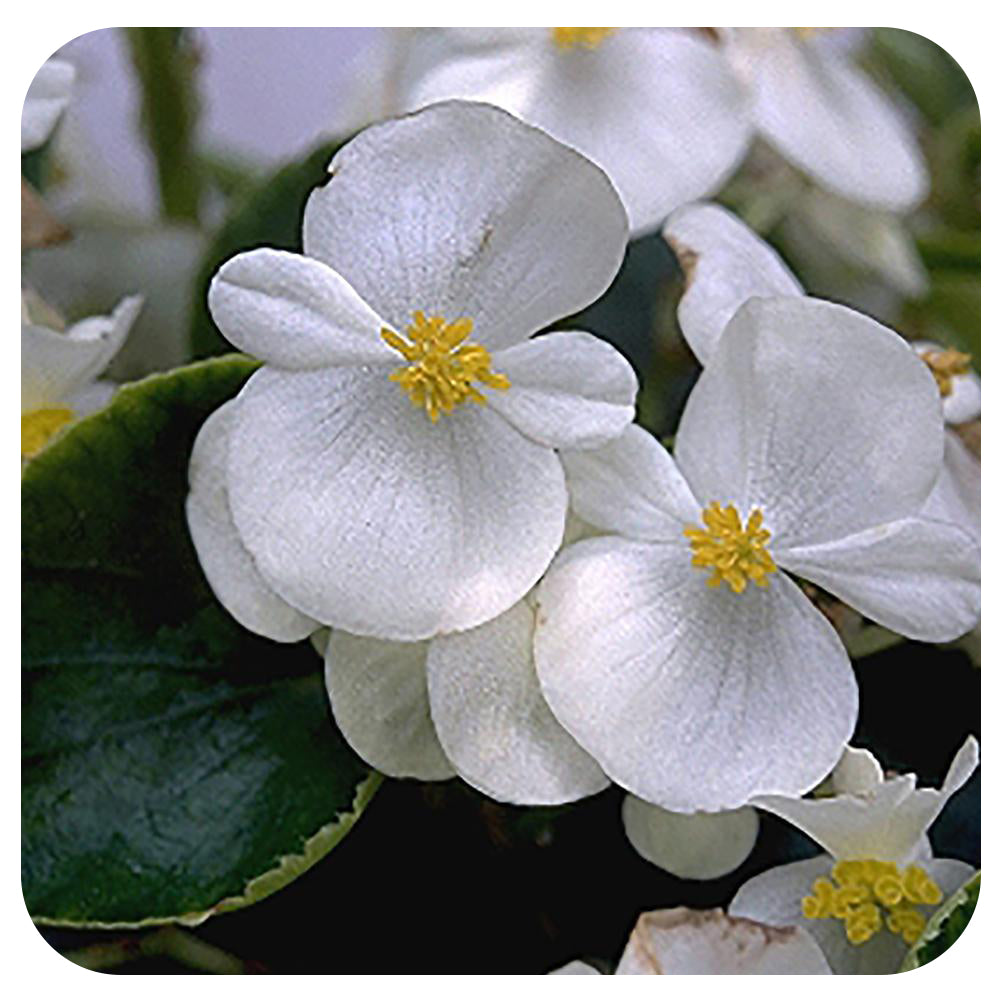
<point>461,210</point>
<point>918,577</point>
<point>725,263</point>
<point>957,495</point>
<point>370,518</point>
<point>708,942</point>
<point>47,97</point>
<point>494,723</point>
<point>632,487</point>
<point>689,697</point>
<point>856,773</point>
<point>819,416</point>
<point>378,693</point>
<point>575,968</point>
<point>567,390</point>
<point>670,87</point>
<point>227,565</point>
<point>690,845</point>
<point>56,365</point>
<point>833,123</point>
<point>294,312</point>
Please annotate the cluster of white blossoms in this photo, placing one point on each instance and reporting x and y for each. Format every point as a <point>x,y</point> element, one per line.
<point>696,96</point>
<point>513,582</point>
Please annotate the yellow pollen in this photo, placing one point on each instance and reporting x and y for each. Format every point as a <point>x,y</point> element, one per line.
<point>733,553</point>
<point>585,38</point>
<point>442,367</point>
<point>868,894</point>
<point>39,426</point>
<point>945,365</point>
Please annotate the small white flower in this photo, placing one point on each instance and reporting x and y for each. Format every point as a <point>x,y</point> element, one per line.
<point>726,264</point>
<point>47,97</point>
<point>826,117</point>
<point>657,108</point>
<point>697,845</point>
<point>682,942</point>
<point>808,445</point>
<point>60,369</point>
<point>366,490</point>
<point>866,900</point>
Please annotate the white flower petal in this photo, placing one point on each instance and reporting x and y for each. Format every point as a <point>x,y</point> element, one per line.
<point>294,312</point>
<point>856,773</point>
<point>949,874</point>
<point>775,897</point>
<point>47,97</point>
<point>708,942</point>
<point>56,365</point>
<point>673,89</point>
<point>887,824</point>
<point>575,968</point>
<point>725,263</point>
<point>632,487</point>
<point>820,416</point>
<point>957,495</point>
<point>963,403</point>
<point>567,389</point>
<point>690,845</point>
<point>378,693</point>
<point>372,519</point>
<point>91,398</point>
<point>463,211</point>
<point>227,565</point>
<point>689,697</point>
<point>494,723</point>
<point>833,123</point>
<point>918,577</point>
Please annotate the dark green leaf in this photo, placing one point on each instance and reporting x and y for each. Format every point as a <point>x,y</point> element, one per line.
<point>174,765</point>
<point>945,927</point>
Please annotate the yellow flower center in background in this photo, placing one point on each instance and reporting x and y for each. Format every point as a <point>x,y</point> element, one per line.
<point>585,38</point>
<point>869,894</point>
<point>733,553</point>
<point>443,368</point>
<point>945,365</point>
<point>39,426</point>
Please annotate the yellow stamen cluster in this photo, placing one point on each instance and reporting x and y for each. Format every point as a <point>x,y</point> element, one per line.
<point>585,38</point>
<point>39,426</point>
<point>945,365</point>
<point>733,553</point>
<point>868,894</point>
<point>443,369</point>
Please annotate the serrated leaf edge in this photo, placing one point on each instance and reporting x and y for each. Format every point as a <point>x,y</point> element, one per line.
<point>288,868</point>
<point>936,922</point>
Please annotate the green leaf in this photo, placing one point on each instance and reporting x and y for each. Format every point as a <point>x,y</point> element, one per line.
<point>945,927</point>
<point>269,214</point>
<point>174,764</point>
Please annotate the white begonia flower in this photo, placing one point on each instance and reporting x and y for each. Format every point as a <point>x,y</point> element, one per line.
<point>867,899</point>
<point>467,704</point>
<point>826,117</point>
<point>657,108</point>
<point>807,446</point>
<point>726,263</point>
<point>366,492</point>
<point>47,97</point>
<point>690,845</point>
<point>60,369</point>
<point>682,942</point>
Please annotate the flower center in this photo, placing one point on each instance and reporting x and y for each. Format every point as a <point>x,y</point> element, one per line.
<point>945,365</point>
<point>39,426</point>
<point>583,38</point>
<point>733,553</point>
<point>866,894</point>
<point>443,368</point>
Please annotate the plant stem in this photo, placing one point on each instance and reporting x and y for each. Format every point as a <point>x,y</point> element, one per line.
<point>168,942</point>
